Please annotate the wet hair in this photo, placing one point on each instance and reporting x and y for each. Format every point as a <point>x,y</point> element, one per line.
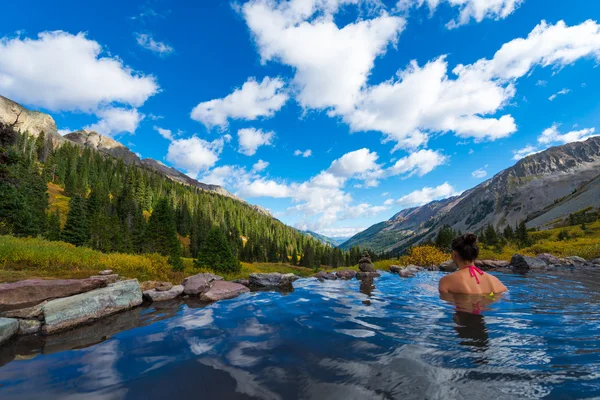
<point>466,246</point>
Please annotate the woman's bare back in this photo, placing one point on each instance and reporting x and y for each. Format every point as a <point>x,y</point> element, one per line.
<point>463,282</point>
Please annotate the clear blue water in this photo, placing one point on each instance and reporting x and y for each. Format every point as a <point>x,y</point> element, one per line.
<point>331,340</point>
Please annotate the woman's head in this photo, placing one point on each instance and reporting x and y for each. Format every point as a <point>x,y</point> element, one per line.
<point>465,247</point>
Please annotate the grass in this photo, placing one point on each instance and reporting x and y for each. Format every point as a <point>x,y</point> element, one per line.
<point>25,258</point>
<point>58,201</point>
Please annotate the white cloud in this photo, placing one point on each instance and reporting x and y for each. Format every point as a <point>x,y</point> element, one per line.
<point>166,133</point>
<point>552,135</point>
<point>388,202</point>
<point>251,101</point>
<point>148,42</point>
<point>63,132</point>
<point>479,173</point>
<point>524,152</point>
<point>343,232</point>
<point>194,155</point>
<point>421,162</point>
<point>541,83</point>
<point>265,188</point>
<point>305,153</point>
<point>260,165</point>
<point>560,92</point>
<point>426,195</point>
<point>425,99</point>
<point>469,9</point>
<point>331,64</point>
<point>66,72</point>
<point>251,139</point>
<point>354,162</point>
<point>116,120</point>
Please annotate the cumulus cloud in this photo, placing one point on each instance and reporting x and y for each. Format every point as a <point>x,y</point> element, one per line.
<point>251,101</point>
<point>353,163</point>
<point>68,72</point>
<point>148,42</point>
<point>479,173</point>
<point>552,136</point>
<point>560,92</point>
<point>305,153</point>
<point>194,155</point>
<point>260,165</point>
<point>166,133</point>
<point>524,152</point>
<point>251,139</point>
<point>425,99</point>
<point>426,195</point>
<point>116,120</point>
<point>469,9</point>
<point>331,64</point>
<point>420,163</point>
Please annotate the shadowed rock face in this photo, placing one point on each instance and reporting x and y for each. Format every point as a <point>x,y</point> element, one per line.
<point>33,291</point>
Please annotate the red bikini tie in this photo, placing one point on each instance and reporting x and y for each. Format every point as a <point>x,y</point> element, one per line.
<point>473,270</point>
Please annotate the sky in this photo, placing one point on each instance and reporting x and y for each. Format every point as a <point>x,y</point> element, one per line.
<point>332,114</point>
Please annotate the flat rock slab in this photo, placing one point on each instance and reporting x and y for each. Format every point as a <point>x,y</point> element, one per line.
<point>222,290</point>
<point>491,264</point>
<point>367,275</point>
<point>162,295</point>
<point>8,328</point>
<point>271,280</point>
<point>34,312</point>
<point>163,286</point>
<point>75,310</point>
<point>346,274</point>
<point>197,284</point>
<point>520,262</point>
<point>33,291</point>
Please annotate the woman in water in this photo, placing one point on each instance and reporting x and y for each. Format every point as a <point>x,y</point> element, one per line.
<point>469,279</point>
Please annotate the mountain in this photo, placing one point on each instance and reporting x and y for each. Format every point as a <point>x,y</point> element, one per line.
<point>35,122</point>
<point>541,189</point>
<point>324,239</point>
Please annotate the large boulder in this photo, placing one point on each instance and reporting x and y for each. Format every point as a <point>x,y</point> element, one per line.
<point>448,266</point>
<point>414,268</point>
<point>520,262</point>
<point>367,275</point>
<point>365,264</point>
<point>406,273</point>
<point>395,269</point>
<point>576,260</point>
<point>8,327</point>
<point>33,291</point>
<point>271,280</point>
<point>345,274</point>
<point>491,264</point>
<point>548,259</point>
<point>244,282</point>
<point>222,290</point>
<point>198,284</point>
<point>71,311</point>
<point>162,295</point>
<point>324,275</point>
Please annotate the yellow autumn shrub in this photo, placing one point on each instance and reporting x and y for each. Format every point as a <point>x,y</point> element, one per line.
<point>424,256</point>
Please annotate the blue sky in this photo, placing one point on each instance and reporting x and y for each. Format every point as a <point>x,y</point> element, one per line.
<point>333,114</point>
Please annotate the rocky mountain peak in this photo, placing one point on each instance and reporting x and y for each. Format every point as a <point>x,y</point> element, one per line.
<point>33,122</point>
<point>103,144</point>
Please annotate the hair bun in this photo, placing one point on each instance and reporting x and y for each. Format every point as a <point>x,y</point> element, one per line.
<point>470,238</point>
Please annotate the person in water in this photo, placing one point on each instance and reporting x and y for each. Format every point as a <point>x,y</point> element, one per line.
<point>469,279</point>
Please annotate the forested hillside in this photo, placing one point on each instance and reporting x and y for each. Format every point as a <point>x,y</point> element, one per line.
<point>114,207</point>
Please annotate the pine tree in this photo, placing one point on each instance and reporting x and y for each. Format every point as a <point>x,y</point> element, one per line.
<point>522,236</point>
<point>162,234</point>
<point>215,253</point>
<point>53,226</point>
<point>294,259</point>
<point>76,228</point>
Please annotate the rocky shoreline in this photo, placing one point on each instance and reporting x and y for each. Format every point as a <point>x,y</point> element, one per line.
<point>46,307</point>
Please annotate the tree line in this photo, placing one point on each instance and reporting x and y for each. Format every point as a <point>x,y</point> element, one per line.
<point>115,207</point>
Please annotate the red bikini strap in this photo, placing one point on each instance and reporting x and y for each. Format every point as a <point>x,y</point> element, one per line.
<point>473,271</point>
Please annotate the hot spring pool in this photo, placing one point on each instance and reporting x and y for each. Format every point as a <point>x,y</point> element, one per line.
<point>331,340</point>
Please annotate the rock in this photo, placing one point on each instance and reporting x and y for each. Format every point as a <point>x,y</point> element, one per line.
<point>108,278</point>
<point>29,326</point>
<point>325,275</point>
<point>148,285</point>
<point>367,275</point>
<point>345,274</point>
<point>164,286</point>
<point>448,266</point>
<point>222,290</point>
<point>491,264</point>
<point>162,295</point>
<point>395,269</point>
<point>405,273</point>
<point>106,272</point>
<point>365,264</point>
<point>33,291</point>
<point>520,262</point>
<point>200,283</point>
<point>576,260</point>
<point>548,259</point>
<point>34,312</point>
<point>271,280</point>
<point>8,327</point>
<point>244,282</point>
<point>595,261</point>
<point>414,268</point>
<point>72,311</point>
